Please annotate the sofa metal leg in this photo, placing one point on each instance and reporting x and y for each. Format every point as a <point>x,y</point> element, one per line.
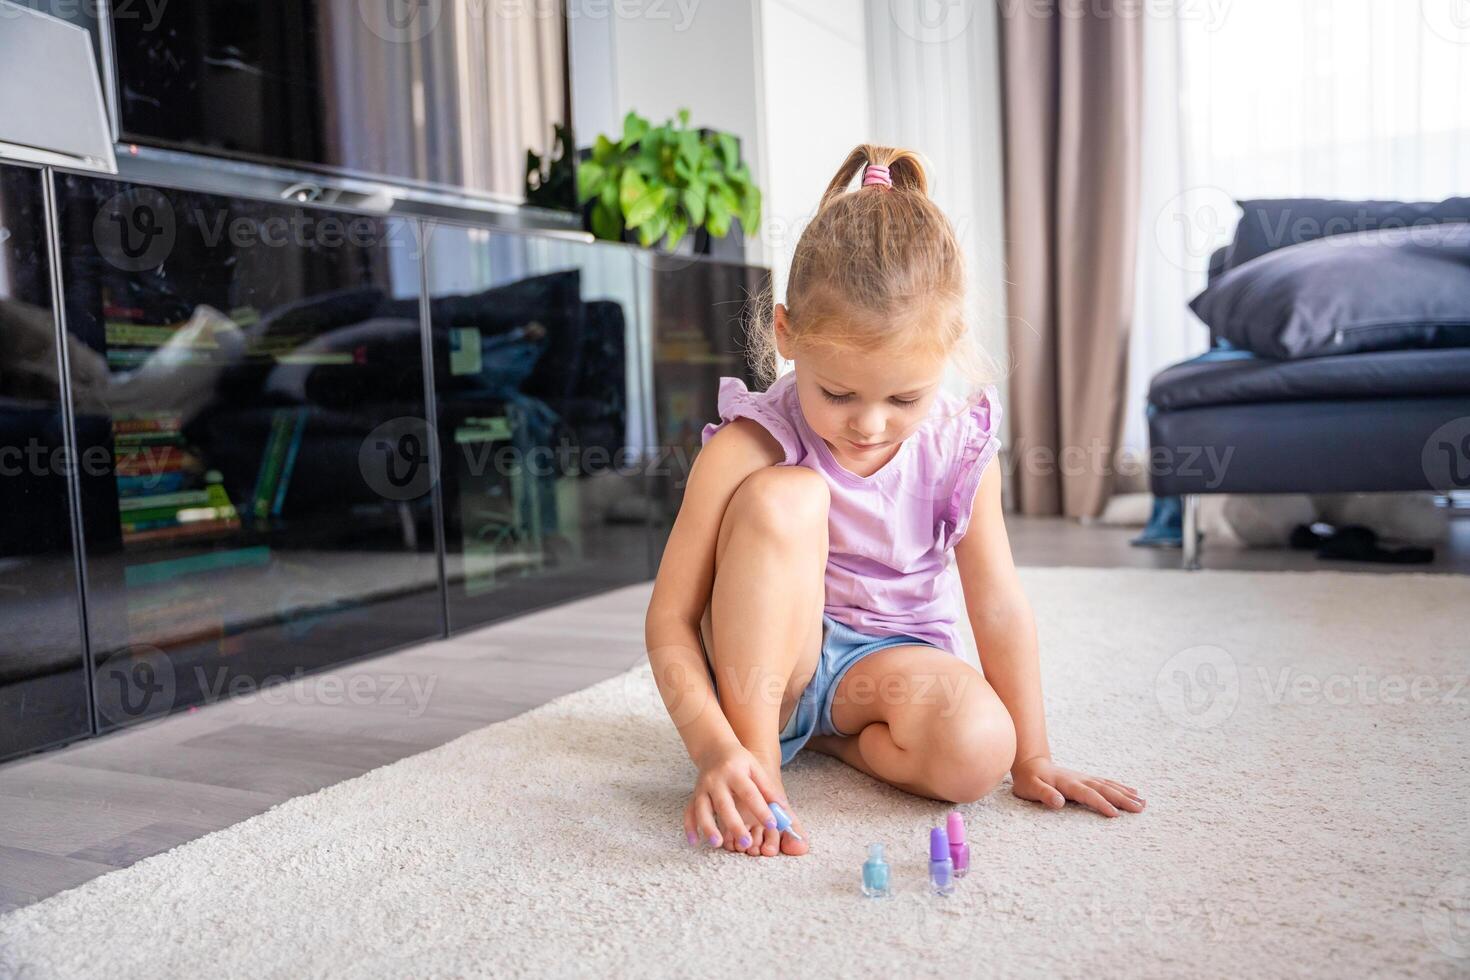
<point>1191,532</point>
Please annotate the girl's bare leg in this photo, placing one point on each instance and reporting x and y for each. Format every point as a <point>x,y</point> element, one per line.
<point>763,629</point>
<point>924,721</point>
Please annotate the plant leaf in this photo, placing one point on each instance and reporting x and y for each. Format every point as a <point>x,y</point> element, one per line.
<point>630,188</point>
<point>634,126</point>
<point>718,221</point>
<point>678,227</point>
<point>750,216</point>
<point>729,150</point>
<point>589,180</point>
<point>604,149</point>
<point>653,230</point>
<point>606,224</point>
<point>645,207</point>
<point>684,117</point>
<point>694,202</point>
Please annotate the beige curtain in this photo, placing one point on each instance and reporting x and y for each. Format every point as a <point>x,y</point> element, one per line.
<point>474,87</point>
<point>1072,95</point>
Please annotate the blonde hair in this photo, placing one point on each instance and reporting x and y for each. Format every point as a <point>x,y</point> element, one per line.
<point>877,269</point>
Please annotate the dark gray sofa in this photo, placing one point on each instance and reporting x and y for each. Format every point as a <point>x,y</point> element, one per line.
<point>1232,422</point>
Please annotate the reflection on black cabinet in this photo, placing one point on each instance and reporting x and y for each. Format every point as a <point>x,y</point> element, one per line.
<point>540,419</point>
<point>43,681</point>
<point>249,400</point>
<point>698,311</point>
<point>251,462</point>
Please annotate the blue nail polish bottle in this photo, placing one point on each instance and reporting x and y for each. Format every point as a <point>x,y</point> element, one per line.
<point>875,873</point>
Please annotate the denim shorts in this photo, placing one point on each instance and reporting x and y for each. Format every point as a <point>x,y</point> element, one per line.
<point>841,648</point>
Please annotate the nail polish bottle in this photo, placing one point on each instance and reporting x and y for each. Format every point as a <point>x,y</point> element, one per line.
<point>941,868</point>
<point>783,822</point>
<point>959,851</point>
<point>875,873</point>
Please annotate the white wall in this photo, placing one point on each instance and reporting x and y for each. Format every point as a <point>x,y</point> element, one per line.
<point>934,74</point>
<point>658,57</point>
<point>817,110</point>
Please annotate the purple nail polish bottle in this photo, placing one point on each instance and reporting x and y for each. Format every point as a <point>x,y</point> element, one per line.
<point>959,851</point>
<point>941,868</point>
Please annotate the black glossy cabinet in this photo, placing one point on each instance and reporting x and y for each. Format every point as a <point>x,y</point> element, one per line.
<point>538,376</point>
<point>43,679</point>
<point>698,317</point>
<point>304,435</point>
<point>252,374</point>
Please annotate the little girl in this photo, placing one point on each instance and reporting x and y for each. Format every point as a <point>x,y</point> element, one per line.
<point>807,594</point>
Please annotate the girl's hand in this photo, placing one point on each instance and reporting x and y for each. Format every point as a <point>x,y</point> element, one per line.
<point>1041,780</point>
<point>729,796</point>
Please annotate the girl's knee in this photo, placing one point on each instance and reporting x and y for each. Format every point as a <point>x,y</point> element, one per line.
<point>971,751</point>
<point>783,501</point>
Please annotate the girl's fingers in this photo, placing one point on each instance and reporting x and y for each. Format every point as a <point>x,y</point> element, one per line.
<point>768,789</point>
<point>1127,789</point>
<point>755,804</point>
<point>1117,796</point>
<point>730,819</point>
<point>1048,795</point>
<point>1090,797</point>
<point>705,821</point>
<point>691,829</point>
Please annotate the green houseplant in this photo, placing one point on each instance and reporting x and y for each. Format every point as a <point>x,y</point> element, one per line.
<point>663,181</point>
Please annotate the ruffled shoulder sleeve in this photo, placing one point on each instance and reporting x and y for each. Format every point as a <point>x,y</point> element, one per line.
<point>978,442</point>
<point>769,408</point>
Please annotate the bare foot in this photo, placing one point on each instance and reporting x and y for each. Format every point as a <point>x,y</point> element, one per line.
<point>765,842</point>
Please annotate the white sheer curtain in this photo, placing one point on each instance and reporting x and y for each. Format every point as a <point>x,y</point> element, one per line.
<point>1352,99</point>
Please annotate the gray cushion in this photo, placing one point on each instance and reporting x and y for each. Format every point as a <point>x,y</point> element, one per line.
<point>1377,290</point>
<point>1267,224</point>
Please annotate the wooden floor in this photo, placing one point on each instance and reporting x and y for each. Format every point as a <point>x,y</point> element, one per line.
<point>72,814</point>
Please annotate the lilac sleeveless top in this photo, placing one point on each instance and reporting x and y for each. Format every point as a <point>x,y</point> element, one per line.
<point>891,535</point>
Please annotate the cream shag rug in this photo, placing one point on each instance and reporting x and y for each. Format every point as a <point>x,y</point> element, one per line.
<point>1301,739</point>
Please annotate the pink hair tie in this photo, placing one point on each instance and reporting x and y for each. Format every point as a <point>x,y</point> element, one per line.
<point>876,173</point>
